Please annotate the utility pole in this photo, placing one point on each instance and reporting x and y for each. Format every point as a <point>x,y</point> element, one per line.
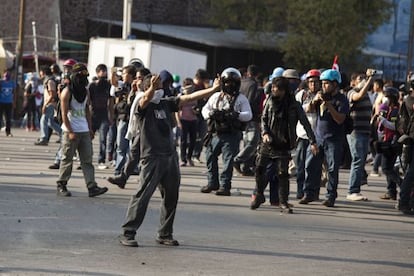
<point>36,56</point>
<point>57,42</point>
<point>19,46</point>
<point>126,25</point>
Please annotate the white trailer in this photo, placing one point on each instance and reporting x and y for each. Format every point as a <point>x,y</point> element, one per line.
<point>155,55</point>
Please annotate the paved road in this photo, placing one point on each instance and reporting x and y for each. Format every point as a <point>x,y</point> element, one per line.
<point>41,234</point>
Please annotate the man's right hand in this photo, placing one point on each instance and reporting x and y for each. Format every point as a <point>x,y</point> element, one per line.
<point>72,136</point>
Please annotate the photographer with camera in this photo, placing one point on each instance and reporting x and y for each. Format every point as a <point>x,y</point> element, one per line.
<point>331,107</point>
<point>406,128</point>
<point>225,111</point>
<point>122,109</point>
<point>358,139</point>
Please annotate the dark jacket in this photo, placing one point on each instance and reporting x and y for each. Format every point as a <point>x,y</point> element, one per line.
<point>406,116</point>
<point>249,88</point>
<point>279,120</point>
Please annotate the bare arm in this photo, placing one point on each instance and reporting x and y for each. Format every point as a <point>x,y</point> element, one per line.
<point>64,105</point>
<point>88,113</point>
<point>201,93</point>
<point>149,93</point>
<point>364,90</point>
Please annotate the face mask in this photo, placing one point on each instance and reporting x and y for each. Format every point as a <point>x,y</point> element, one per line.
<point>385,100</point>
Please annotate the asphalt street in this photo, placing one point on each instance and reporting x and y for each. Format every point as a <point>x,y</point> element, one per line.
<point>42,234</point>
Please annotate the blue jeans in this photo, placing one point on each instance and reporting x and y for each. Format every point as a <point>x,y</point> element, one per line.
<point>300,160</point>
<point>330,150</point>
<point>47,120</point>
<point>227,145</point>
<point>111,140</point>
<point>201,132</point>
<point>102,125</point>
<point>393,179</point>
<point>122,147</point>
<point>358,145</point>
<point>251,138</point>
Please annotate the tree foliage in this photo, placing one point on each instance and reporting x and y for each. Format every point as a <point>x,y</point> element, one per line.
<point>315,30</point>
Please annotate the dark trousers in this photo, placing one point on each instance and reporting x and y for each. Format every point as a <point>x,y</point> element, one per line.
<point>162,172</point>
<point>6,110</point>
<point>281,165</point>
<point>188,139</point>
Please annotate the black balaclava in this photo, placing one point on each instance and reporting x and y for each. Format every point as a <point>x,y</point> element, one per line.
<point>78,85</point>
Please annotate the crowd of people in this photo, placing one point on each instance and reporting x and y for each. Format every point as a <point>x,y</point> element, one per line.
<point>272,128</point>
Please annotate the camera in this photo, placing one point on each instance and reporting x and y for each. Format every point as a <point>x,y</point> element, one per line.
<point>375,72</point>
<point>326,97</point>
<point>121,91</point>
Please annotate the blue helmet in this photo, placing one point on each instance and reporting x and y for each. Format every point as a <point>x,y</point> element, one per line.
<point>331,75</point>
<point>277,72</point>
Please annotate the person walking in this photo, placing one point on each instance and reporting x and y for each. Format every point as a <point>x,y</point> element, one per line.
<point>280,117</point>
<point>77,133</point>
<point>244,160</point>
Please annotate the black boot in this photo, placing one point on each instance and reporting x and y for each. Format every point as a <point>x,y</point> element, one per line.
<point>62,190</point>
<point>95,191</point>
<point>120,181</point>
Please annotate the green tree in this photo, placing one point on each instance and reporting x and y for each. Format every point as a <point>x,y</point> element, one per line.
<point>315,30</point>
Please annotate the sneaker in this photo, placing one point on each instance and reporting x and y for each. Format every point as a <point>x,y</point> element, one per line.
<point>55,166</point>
<point>388,196</point>
<point>9,134</point>
<point>169,240</point>
<point>95,191</point>
<point>41,143</point>
<point>119,181</point>
<point>102,166</point>
<point>63,191</point>
<point>286,207</point>
<point>223,192</point>
<point>375,174</point>
<point>257,200</point>
<point>198,160</point>
<point>328,203</point>
<point>127,241</point>
<point>356,197</point>
<point>183,164</point>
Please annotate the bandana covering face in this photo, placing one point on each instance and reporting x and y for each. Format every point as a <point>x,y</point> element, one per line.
<point>79,81</point>
<point>78,84</point>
